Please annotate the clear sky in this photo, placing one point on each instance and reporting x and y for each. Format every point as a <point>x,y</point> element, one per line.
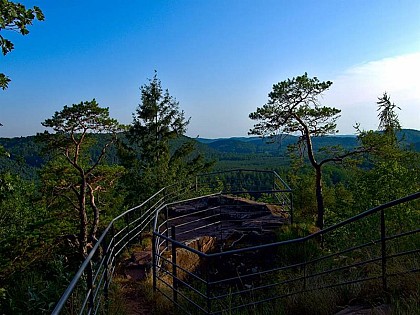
<point>218,58</point>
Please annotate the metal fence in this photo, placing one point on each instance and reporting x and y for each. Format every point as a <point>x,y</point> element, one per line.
<point>263,185</point>
<point>88,291</point>
<point>370,248</point>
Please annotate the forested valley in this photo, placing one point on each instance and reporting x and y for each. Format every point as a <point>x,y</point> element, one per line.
<point>60,188</point>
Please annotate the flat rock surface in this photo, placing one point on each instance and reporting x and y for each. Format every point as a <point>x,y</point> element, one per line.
<point>227,215</point>
<point>383,309</point>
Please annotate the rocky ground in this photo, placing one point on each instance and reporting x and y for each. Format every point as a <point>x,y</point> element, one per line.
<point>236,222</point>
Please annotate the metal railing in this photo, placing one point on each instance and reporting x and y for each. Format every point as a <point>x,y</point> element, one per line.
<point>333,258</point>
<point>263,185</point>
<point>88,291</point>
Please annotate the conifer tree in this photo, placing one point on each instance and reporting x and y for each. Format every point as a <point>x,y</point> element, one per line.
<point>293,107</point>
<point>74,174</point>
<point>157,133</point>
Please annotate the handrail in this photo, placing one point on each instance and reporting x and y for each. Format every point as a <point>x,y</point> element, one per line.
<point>380,259</point>
<point>249,170</point>
<point>60,304</point>
<point>295,240</point>
<point>122,238</point>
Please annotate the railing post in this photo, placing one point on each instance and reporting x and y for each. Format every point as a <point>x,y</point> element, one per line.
<point>383,250</point>
<point>221,225</point>
<point>304,266</point>
<point>142,227</point>
<point>127,222</point>
<point>148,206</point>
<point>166,227</point>
<point>89,280</point>
<point>174,269</point>
<point>106,276</point>
<point>291,208</point>
<point>208,286</point>
<point>154,260</point>
<point>107,265</point>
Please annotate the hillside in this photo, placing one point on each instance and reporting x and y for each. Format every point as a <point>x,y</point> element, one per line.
<point>252,145</point>
<point>249,152</point>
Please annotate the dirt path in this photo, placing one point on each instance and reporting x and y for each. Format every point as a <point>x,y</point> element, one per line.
<point>240,217</point>
<point>133,281</point>
<point>136,301</point>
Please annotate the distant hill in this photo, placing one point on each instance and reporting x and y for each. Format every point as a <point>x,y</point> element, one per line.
<point>256,145</point>
<point>235,152</point>
<point>411,137</point>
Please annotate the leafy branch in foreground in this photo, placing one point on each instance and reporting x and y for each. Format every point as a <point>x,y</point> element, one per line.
<point>15,17</point>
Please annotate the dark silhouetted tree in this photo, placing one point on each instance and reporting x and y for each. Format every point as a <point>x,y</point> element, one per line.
<point>15,17</point>
<point>388,118</point>
<point>293,107</point>
<point>165,156</point>
<point>74,174</point>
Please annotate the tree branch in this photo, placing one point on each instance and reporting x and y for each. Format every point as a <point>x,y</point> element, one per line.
<point>340,158</point>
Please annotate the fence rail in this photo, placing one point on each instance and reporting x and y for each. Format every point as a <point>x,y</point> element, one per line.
<point>221,280</point>
<point>222,283</point>
<point>87,293</point>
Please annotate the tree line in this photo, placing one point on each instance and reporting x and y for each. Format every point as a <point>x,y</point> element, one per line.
<point>93,168</point>
<point>79,190</point>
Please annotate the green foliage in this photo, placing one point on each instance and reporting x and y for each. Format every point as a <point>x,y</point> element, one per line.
<point>392,170</point>
<point>38,289</point>
<point>4,81</point>
<point>391,173</point>
<point>153,163</point>
<point>38,228</point>
<point>297,252</point>
<point>293,107</point>
<point>23,222</point>
<point>157,120</point>
<point>74,174</point>
<point>253,153</point>
<point>3,151</point>
<point>15,17</point>
<point>73,122</point>
<point>388,118</point>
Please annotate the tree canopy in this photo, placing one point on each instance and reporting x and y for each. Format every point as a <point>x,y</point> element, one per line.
<point>77,176</point>
<point>388,118</point>
<point>15,17</point>
<point>293,107</point>
<point>158,120</point>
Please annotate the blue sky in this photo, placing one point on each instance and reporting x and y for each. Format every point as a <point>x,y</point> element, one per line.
<point>219,59</point>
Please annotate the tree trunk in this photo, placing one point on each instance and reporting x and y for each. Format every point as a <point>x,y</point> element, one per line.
<point>319,198</point>
<point>95,223</point>
<point>83,221</point>
<point>318,169</point>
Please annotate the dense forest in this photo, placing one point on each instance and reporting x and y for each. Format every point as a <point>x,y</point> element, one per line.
<point>26,157</point>
<point>60,188</point>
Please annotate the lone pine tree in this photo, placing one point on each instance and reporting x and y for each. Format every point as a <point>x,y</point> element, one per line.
<point>74,174</point>
<point>293,107</point>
